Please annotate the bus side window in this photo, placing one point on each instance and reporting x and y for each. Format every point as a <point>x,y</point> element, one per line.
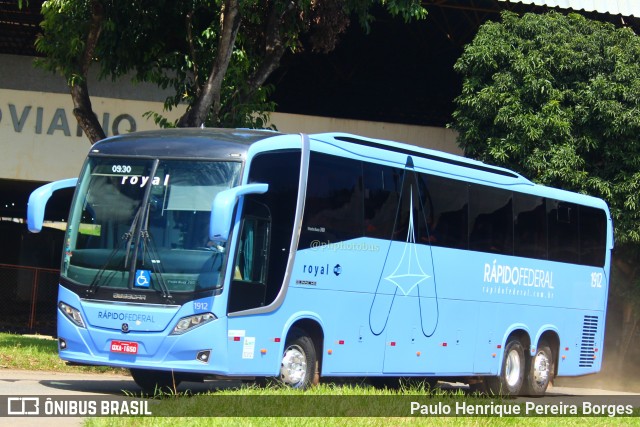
<point>449,212</point>
<point>530,226</point>
<point>593,236</point>
<point>490,220</point>
<point>381,197</point>
<point>334,200</point>
<point>564,241</point>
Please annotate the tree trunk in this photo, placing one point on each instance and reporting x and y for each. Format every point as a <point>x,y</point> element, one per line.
<point>273,52</point>
<point>82,108</point>
<point>83,111</point>
<point>210,95</point>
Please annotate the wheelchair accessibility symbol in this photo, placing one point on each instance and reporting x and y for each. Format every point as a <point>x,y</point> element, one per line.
<point>143,278</point>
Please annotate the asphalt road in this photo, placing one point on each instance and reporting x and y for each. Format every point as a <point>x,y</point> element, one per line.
<point>28,383</point>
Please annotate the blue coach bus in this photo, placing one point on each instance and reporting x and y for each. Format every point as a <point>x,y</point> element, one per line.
<point>240,253</point>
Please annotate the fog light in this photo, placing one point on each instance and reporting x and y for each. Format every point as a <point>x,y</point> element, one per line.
<point>203,356</point>
<point>62,344</point>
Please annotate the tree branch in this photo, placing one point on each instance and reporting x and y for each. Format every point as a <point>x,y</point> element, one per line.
<point>192,50</point>
<point>273,52</point>
<point>83,111</point>
<point>210,96</point>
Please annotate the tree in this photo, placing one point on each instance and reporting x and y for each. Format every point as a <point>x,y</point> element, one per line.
<point>215,54</point>
<point>557,98</point>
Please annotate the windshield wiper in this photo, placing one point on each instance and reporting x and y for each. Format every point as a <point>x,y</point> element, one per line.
<point>96,282</point>
<point>140,231</point>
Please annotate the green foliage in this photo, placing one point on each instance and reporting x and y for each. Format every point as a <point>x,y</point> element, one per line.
<point>175,44</point>
<point>66,24</point>
<point>557,98</point>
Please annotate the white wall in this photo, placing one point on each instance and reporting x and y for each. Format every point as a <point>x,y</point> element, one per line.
<point>423,136</point>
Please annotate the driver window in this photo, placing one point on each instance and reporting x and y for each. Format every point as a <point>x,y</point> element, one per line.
<point>249,284</point>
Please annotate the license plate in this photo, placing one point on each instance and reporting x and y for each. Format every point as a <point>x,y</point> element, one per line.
<point>126,347</point>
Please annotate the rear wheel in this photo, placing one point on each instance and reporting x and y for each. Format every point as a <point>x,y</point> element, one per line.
<point>540,370</point>
<point>512,372</point>
<point>153,382</point>
<point>299,361</point>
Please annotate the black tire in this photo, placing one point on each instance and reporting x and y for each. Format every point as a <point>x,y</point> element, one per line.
<point>299,364</point>
<point>152,382</point>
<point>512,371</point>
<point>540,369</point>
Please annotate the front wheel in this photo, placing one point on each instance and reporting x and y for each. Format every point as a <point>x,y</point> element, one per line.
<point>299,361</point>
<point>511,377</point>
<point>540,371</point>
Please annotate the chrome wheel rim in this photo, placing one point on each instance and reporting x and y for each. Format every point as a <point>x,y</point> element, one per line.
<point>294,366</point>
<point>541,367</point>
<point>512,368</point>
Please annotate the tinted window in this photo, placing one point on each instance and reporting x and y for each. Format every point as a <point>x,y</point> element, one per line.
<point>414,209</point>
<point>281,170</point>
<point>448,213</point>
<point>490,220</point>
<point>530,226</point>
<point>563,231</point>
<point>382,187</point>
<point>334,208</point>
<point>593,236</point>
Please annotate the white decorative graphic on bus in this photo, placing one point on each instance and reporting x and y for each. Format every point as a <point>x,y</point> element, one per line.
<point>406,277</point>
<point>409,273</point>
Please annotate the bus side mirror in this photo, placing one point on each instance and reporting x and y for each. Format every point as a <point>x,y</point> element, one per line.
<point>222,209</point>
<point>38,202</point>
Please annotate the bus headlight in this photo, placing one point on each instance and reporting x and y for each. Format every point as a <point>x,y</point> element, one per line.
<point>190,322</point>
<point>72,314</point>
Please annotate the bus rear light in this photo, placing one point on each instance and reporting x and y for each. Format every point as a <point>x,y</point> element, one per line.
<point>444,344</point>
<point>418,353</point>
<point>263,351</point>
<point>190,322</point>
<point>236,338</point>
<point>72,314</point>
<point>329,352</point>
<point>341,342</point>
<point>499,346</point>
<point>392,343</point>
<point>276,339</point>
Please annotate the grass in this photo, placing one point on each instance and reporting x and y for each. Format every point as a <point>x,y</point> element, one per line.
<point>38,353</point>
<point>329,398</point>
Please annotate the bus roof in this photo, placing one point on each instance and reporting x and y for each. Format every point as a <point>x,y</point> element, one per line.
<point>182,143</point>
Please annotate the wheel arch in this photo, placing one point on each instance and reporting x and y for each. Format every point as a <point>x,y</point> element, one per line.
<point>312,327</point>
<point>520,332</point>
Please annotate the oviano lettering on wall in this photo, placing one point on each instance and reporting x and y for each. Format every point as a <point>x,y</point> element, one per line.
<point>59,121</point>
<point>40,138</point>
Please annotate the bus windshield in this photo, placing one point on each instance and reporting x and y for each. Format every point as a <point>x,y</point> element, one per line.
<point>143,224</point>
